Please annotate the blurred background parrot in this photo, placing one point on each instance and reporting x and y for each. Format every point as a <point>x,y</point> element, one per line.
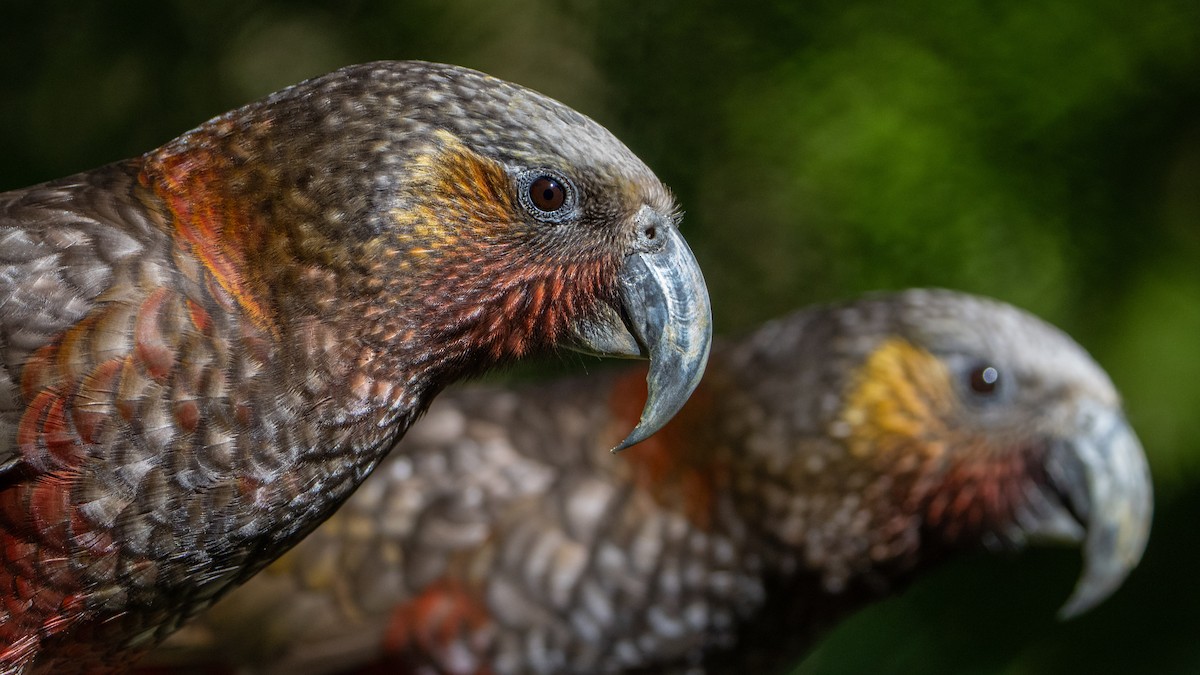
<point>826,459</point>
<point>1043,152</point>
<point>205,349</point>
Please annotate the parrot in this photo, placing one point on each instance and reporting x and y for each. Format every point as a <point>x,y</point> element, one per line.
<point>204,350</point>
<point>826,460</point>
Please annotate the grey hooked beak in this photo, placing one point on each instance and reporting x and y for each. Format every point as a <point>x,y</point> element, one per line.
<point>1104,478</point>
<point>664,316</point>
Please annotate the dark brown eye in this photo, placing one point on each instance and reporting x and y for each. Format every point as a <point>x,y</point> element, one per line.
<point>985,379</point>
<point>547,194</point>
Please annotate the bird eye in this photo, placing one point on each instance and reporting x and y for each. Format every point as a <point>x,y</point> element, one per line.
<point>547,195</point>
<point>984,379</point>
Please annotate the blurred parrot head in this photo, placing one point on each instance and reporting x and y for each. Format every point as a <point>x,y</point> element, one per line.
<point>948,420</point>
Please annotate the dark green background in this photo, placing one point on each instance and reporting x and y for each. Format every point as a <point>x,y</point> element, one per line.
<point>1045,153</point>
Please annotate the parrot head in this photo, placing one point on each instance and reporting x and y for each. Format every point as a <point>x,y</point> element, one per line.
<point>446,221</point>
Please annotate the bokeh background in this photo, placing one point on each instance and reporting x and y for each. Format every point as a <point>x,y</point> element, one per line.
<point>1045,152</point>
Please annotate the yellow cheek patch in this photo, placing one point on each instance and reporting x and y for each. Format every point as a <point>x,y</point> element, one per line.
<point>897,402</point>
<point>460,195</point>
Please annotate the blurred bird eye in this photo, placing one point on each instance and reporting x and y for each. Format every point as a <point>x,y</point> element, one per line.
<point>984,379</point>
<point>547,195</point>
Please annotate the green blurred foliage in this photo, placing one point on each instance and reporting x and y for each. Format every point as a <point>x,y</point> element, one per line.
<point>1043,152</point>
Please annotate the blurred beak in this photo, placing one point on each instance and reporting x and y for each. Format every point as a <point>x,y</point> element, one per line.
<point>1102,476</point>
<point>664,316</point>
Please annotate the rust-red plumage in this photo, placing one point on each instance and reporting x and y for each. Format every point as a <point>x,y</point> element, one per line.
<point>678,466</point>
<point>431,626</point>
<point>193,183</point>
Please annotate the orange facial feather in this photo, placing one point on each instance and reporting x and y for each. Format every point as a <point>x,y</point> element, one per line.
<point>217,233</point>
